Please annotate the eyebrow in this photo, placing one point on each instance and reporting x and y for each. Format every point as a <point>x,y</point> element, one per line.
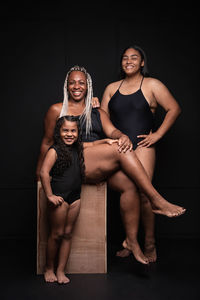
<point>125,55</point>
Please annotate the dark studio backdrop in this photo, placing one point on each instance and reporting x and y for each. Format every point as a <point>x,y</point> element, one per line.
<point>39,43</point>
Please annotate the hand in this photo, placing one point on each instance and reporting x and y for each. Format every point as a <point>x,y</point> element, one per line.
<point>124,143</point>
<point>95,102</point>
<point>111,141</point>
<point>148,139</point>
<point>55,200</point>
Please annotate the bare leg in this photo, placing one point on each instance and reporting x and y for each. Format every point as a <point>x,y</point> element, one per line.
<point>103,160</point>
<point>147,158</point>
<point>130,212</point>
<point>65,246</point>
<point>57,218</point>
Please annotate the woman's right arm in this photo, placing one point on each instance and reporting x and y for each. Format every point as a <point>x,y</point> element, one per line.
<point>49,125</point>
<point>105,99</point>
<point>47,165</point>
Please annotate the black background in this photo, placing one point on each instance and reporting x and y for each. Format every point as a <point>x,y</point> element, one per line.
<point>40,42</point>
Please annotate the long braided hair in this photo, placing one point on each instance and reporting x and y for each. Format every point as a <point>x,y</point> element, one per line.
<point>86,115</point>
<point>64,159</point>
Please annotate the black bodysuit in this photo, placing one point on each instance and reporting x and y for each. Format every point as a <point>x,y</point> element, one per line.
<point>97,130</point>
<point>131,114</point>
<point>68,185</point>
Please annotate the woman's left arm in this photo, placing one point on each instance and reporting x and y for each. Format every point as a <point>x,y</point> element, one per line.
<point>165,99</point>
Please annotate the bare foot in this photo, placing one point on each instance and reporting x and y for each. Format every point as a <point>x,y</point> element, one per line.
<point>150,251</point>
<point>123,253</point>
<point>137,252</point>
<point>49,276</point>
<point>163,207</point>
<point>62,279</point>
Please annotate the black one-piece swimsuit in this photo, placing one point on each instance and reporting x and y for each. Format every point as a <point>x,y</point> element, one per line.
<point>68,185</point>
<point>131,114</point>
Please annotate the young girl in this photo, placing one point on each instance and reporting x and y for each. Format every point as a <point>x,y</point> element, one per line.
<point>65,163</point>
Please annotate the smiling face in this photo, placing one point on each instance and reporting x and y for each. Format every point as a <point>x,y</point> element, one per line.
<point>132,62</point>
<point>77,85</point>
<point>69,132</point>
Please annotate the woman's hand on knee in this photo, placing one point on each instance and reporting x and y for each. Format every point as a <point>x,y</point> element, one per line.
<point>124,144</point>
<point>111,141</point>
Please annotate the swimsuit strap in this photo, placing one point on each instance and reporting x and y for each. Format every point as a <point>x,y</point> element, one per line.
<point>120,84</point>
<point>141,82</point>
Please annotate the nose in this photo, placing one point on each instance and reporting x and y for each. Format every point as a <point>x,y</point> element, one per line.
<point>76,85</point>
<point>69,133</point>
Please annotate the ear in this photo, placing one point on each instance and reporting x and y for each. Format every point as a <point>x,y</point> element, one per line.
<point>142,63</point>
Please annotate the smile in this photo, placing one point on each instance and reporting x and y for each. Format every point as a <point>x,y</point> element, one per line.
<point>77,93</point>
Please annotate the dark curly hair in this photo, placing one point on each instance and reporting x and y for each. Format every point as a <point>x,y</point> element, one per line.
<point>64,159</point>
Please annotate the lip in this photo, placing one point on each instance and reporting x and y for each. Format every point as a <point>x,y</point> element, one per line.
<point>129,67</point>
<point>68,140</point>
<point>76,93</point>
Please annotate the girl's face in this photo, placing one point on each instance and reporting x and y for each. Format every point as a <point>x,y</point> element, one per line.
<point>77,85</point>
<point>132,62</point>
<point>69,132</point>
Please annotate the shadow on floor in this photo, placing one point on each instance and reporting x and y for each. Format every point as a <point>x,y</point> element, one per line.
<point>175,275</point>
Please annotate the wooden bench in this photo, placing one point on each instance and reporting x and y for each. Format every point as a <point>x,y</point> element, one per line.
<point>89,246</point>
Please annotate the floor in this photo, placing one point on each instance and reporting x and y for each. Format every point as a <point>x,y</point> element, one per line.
<point>175,276</point>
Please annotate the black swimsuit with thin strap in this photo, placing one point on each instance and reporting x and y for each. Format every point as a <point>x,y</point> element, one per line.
<point>131,114</point>
<point>68,184</point>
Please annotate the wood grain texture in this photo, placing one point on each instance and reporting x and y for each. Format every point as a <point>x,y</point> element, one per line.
<point>89,247</point>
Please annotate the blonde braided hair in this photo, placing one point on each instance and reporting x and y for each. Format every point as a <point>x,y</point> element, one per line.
<point>86,115</point>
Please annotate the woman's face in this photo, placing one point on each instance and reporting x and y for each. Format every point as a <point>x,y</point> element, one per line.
<point>131,62</point>
<point>69,132</point>
<point>77,86</point>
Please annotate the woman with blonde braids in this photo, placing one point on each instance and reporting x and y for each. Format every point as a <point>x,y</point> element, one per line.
<point>101,161</point>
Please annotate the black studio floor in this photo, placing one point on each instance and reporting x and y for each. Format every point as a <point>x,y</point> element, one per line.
<point>175,276</point>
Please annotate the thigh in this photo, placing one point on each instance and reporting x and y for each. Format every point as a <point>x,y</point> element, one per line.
<point>57,216</point>
<point>147,157</point>
<point>100,162</point>
<point>72,215</point>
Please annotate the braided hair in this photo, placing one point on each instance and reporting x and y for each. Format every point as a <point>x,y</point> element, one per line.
<point>86,115</point>
<point>64,159</point>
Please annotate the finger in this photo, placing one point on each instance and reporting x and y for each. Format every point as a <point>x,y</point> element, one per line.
<point>126,148</point>
<point>142,136</point>
<point>142,142</point>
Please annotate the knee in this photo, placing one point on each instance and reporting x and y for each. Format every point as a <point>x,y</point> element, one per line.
<point>67,235</point>
<point>144,199</point>
<point>57,235</point>
<point>129,189</point>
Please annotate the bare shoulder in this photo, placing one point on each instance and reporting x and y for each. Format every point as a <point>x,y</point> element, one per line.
<point>54,109</point>
<point>112,87</point>
<point>153,83</point>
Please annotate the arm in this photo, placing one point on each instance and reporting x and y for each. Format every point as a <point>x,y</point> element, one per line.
<point>47,165</point>
<point>165,99</point>
<point>99,142</point>
<point>112,132</point>
<point>105,100</point>
<point>49,125</point>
